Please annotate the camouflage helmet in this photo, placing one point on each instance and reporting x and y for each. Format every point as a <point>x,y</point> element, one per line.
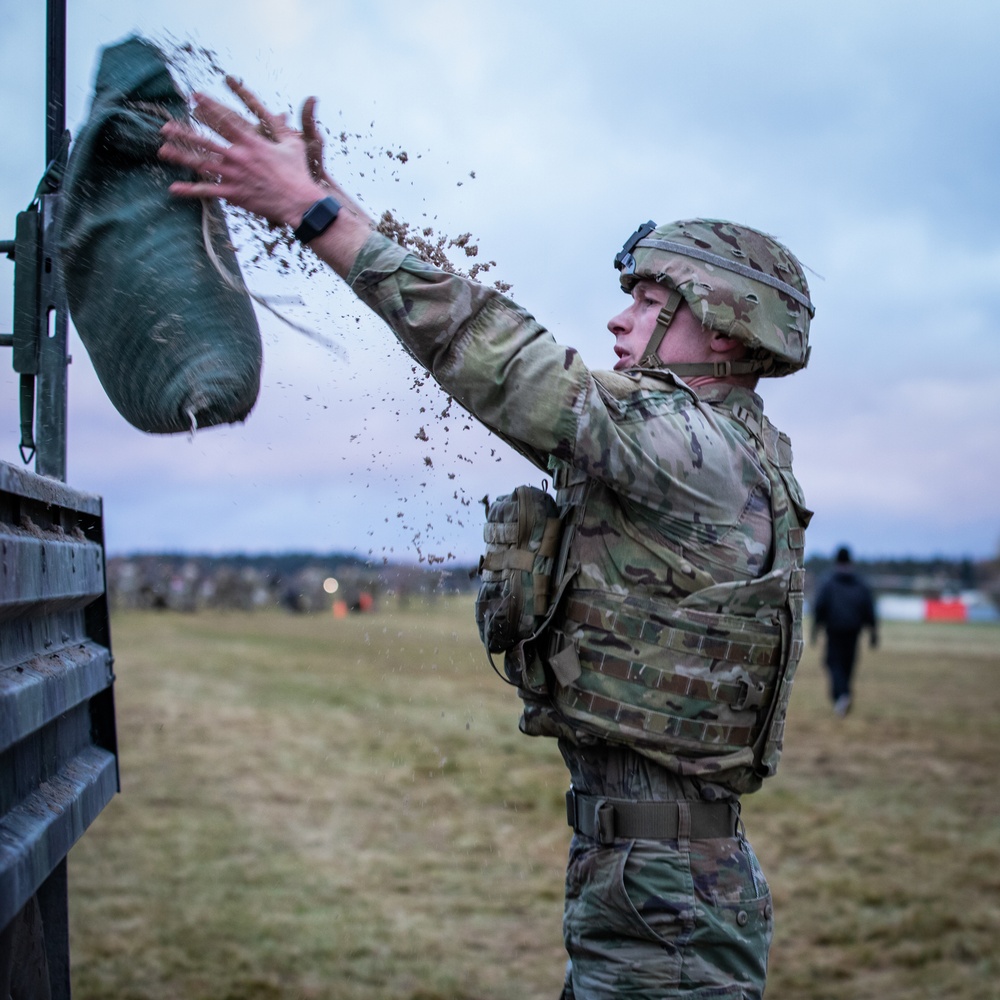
<point>736,280</point>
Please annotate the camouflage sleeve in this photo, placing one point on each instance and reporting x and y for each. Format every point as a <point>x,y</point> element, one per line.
<point>481,347</point>
<point>506,369</point>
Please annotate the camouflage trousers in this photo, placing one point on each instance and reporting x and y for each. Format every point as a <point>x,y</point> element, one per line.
<point>649,920</point>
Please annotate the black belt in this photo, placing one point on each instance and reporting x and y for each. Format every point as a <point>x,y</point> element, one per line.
<point>603,819</point>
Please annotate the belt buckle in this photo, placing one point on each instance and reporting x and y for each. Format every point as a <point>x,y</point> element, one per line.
<point>571,807</point>
<point>604,822</point>
<point>602,826</point>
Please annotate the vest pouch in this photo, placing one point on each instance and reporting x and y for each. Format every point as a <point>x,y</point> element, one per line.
<point>655,675</point>
<point>522,540</point>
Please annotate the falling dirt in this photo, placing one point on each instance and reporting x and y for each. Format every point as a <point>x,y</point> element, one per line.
<point>272,251</point>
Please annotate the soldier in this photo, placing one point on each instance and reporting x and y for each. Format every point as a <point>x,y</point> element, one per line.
<point>844,606</point>
<point>665,663</point>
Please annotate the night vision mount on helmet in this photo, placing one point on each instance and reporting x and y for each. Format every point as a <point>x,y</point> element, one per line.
<point>736,280</point>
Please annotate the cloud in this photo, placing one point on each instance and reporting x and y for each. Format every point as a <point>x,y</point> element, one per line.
<point>865,136</point>
<point>917,457</point>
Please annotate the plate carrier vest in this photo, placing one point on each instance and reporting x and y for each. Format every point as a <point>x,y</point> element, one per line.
<point>700,683</point>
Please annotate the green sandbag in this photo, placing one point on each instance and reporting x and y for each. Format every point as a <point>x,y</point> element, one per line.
<point>174,342</point>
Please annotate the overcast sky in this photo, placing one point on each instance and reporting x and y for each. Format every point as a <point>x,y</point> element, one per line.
<point>864,136</point>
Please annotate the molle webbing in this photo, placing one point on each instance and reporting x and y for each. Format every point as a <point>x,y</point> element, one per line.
<point>657,673</point>
<point>656,728</point>
<point>738,694</point>
<point>703,677</point>
<point>617,620</point>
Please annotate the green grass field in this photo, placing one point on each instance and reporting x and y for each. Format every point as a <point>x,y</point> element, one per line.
<point>344,809</point>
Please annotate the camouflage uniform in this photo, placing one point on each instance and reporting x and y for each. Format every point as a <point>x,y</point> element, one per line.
<point>674,498</point>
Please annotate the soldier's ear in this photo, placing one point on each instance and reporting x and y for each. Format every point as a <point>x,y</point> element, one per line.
<point>722,343</point>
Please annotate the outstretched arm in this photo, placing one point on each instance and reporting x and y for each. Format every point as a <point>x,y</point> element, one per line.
<point>267,168</point>
<point>490,354</point>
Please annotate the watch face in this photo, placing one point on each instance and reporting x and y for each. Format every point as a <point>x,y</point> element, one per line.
<point>317,219</point>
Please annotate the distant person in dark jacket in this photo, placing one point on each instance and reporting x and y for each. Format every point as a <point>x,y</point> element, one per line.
<point>843,607</point>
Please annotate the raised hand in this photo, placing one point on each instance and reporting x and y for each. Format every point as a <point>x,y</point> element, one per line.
<point>268,168</point>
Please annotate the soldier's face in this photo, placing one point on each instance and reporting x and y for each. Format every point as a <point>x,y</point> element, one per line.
<point>635,324</point>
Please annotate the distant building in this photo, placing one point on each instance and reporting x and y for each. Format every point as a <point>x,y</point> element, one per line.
<point>967,606</point>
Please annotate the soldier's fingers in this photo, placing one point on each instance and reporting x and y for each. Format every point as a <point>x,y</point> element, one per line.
<point>220,119</point>
<point>276,127</point>
<point>181,155</point>
<point>250,100</point>
<point>187,148</point>
<point>271,125</point>
<point>310,130</point>
<point>183,136</point>
<point>313,139</point>
<point>196,189</point>
<point>184,156</point>
<point>205,189</point>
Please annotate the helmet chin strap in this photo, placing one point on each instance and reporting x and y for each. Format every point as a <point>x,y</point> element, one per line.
<point>663,321</point>
<point>717,369</point>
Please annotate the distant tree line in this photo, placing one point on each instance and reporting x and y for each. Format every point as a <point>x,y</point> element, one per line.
<point>296,581</point>
<point>299,581</point>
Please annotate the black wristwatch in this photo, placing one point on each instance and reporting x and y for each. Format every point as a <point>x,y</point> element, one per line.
<point>317,219</point>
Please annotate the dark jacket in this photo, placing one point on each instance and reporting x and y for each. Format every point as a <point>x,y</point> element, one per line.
<point>844,603</point>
